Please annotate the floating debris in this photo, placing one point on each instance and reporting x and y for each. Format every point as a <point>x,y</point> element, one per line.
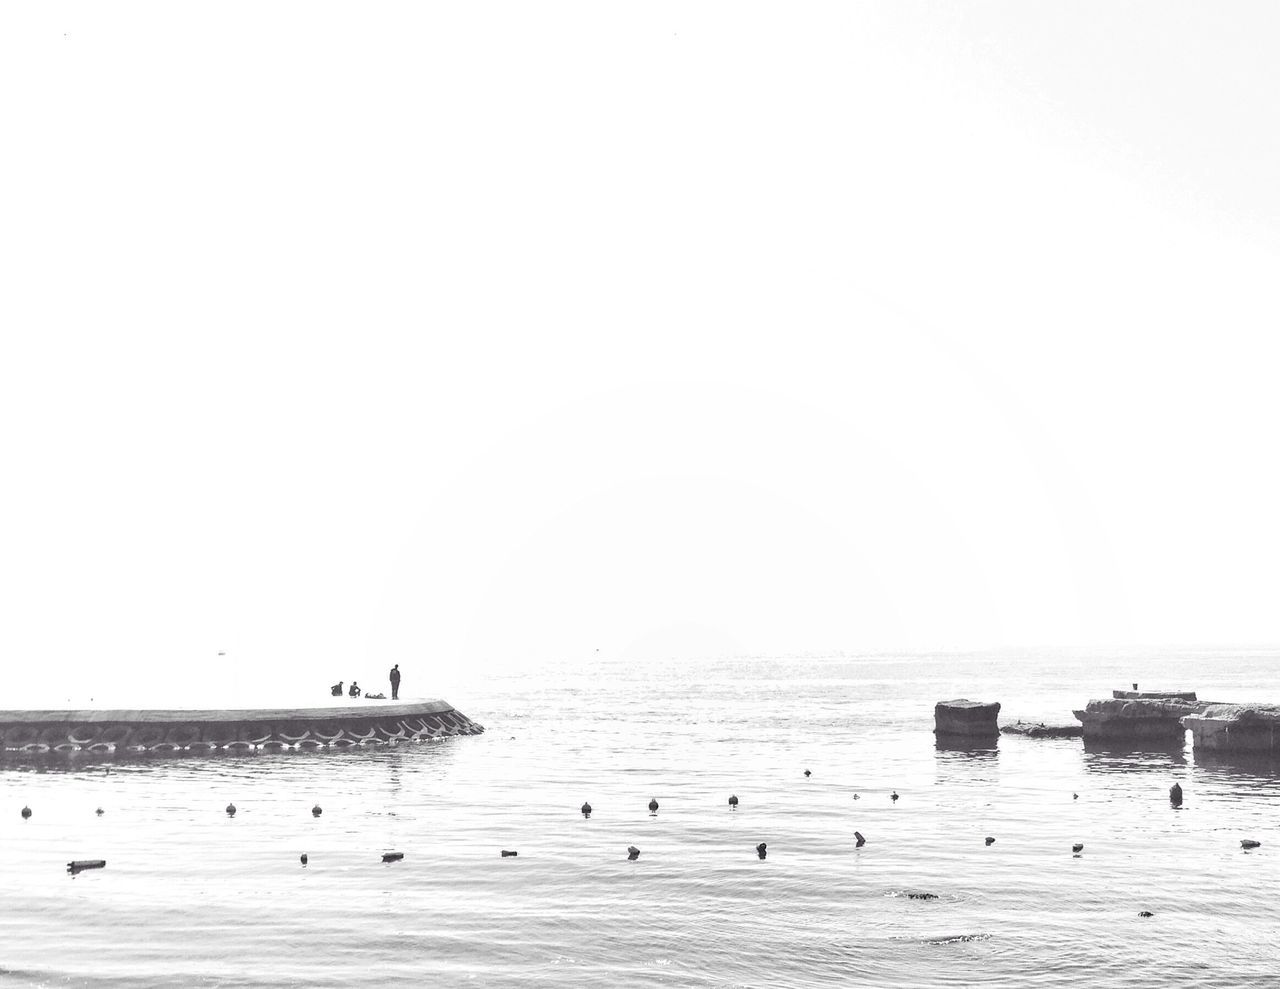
<point>1145,913</point>
<point>392,856</point>
<point>99,811</point>
<point>303,858</point>
<point>26,813</point>
<point>1250,843</point>
<point>990,841</point>
<point>894,796</point>
<point>509,855</point>
<point>317,810</point>
<point>633,853</point>
<point>1175,794</point>
<point>1078,847</point>
<point>922,896</point>
<point>79,865</point>
<point>860,841</point>
<point>807,774</point>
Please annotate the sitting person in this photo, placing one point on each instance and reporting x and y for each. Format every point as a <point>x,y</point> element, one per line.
<point>336,689</point>
<point>355,689</point>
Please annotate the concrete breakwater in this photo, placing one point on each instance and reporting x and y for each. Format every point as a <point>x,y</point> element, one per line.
<point>232,730</point>
<point>1235,729</point>
<point>1132,716</point>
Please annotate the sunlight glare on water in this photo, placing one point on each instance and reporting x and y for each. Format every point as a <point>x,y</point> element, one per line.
<point>191,896</point>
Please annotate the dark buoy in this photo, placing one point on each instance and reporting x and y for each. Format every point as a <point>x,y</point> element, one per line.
<point>807,774</point>
<point>508,855</point>
<point>894,796</point>
<point>303,858</point>
<point>1175,794</point>
<point>317,810</point>
<point>586,810</point>
<point>653,806</point>
<point>1078,847</point>
<point>392,856</point>
<point>1145,913</point>
<point>231,810</point>
<point>26,813</point>
<point>859,841</point>
<point>733,802</point>
<point>99,811</point>
<point>633,853</point>
<point>1250,843</point>
<point>990,840</point>
<point>762,849</point>
<point>79,865</point>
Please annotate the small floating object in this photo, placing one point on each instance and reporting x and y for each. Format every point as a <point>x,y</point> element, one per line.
<point>990,840</point>
<point>1075,796</point>
<point>733,802</point>
<point>1145,913</point>
<point>26,813</point>
<point>317,810</point>
<point>392,856</point>
<point>1078,847</point>
<point>1175,794</point>
<point>586,810</point>
<point>633,853</point>
<point>1250,843</point>
<point>807,774</point>
<point>231,810</point>
<point>508,855</point>
<point>99,811</point>
<point>653,806</point>
<point>922,896</point>
<point>762,849</point>
<point>79,865</point>
<point>894,795</point>
<point>856,797</point>
<point>303,858</point>
<point>859,841</point>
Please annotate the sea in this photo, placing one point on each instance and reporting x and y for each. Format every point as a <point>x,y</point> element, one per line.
<point>193,897</point>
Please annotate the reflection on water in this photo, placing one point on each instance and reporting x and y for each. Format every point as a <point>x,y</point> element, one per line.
<point>217,900</point>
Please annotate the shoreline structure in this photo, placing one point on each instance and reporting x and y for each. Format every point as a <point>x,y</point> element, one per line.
<point>1129,717</point>
<point>173,730</point>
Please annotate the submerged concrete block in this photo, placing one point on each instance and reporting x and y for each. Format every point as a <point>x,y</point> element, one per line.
<point>965,717</point>
<point>1236,729</point>
<point>1156,720</point>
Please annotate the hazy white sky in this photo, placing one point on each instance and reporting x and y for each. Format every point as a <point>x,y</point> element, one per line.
<point>470,334</point>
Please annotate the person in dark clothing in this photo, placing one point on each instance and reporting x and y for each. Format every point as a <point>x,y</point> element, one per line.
<point>395,682</point>
<point>355,689</point>
<point>336,689</point>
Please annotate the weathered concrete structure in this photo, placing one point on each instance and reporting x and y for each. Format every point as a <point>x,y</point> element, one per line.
<point>246,730</point>
<point>1236,729</point>
<point>1041,730</point>
<point>970,719</point>
<point>1154,718</point>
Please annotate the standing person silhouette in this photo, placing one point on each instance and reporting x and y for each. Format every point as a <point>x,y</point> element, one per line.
<point>395,682</point>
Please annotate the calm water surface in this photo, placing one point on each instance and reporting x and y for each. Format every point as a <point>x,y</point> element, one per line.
<point>192,897</point>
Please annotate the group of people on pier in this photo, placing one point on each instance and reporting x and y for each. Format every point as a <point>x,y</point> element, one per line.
<point>355,691</point>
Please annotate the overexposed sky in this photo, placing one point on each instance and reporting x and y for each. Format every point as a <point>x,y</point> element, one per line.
<point>470,334</point>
